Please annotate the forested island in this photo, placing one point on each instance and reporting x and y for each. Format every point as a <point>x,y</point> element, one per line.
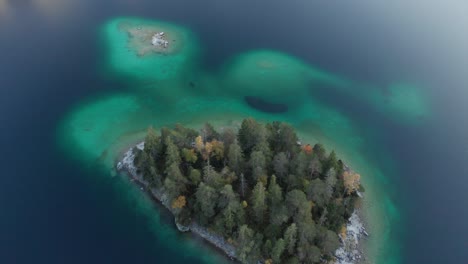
<point>258,193</point>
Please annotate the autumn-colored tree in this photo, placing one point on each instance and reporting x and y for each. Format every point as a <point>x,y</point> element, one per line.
<point>179,203</point>
<point>189,155</point>
<point>307,149</point>
<point>199,145</point>
<point>217,149</point>
<point>351,181</point>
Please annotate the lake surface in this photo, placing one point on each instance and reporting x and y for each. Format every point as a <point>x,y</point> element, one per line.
<point>386,87</point>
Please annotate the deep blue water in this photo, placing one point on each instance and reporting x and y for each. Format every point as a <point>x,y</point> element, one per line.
<point>52,210</point>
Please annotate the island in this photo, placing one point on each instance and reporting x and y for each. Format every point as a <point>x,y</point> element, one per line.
<point>258,193</point>
<point>148,38</point>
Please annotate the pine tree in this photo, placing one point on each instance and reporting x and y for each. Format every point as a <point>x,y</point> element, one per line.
<point>250,134</point>
<point>278,250</point>
<point>206,201</point>
<point>280,165</point>
<point>257,164</point>
<point>259,202</point>
<point>245,240</point>
<point>235,158</point>
<point>278,212</point>
<point>290,238</point>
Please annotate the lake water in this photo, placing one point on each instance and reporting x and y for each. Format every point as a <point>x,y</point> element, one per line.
<point>383,84</point>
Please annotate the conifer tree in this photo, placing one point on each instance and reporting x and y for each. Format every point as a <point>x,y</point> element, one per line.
<point>259,202</point>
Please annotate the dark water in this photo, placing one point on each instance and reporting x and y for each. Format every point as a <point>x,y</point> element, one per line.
<point>54,211</point>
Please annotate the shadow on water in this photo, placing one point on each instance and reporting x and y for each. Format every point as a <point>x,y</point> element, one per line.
<point>265,106</point>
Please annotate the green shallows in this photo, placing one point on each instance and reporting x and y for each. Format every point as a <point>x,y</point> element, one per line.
<point>271,75</point>
<point>127,42</point>
<point>279,78</point>
<point>166,88</point>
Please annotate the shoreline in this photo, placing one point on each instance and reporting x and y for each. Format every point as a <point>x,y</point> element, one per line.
<point>126,165</point>
<point>350,251</point>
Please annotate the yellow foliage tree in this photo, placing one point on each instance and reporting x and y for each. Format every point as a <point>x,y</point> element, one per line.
<point>218,149</point>
<point>245,204</point>
<point>179,203</point>
<point>343,231</point>
<point>352,181</point>
<point>199,144</point>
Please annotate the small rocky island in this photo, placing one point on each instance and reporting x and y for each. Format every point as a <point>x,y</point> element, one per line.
<point>147,39</point>
<point>257,194</point>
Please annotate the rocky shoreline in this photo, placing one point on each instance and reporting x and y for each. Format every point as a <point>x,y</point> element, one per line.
<point>126,164</point>
<point>348,253</point>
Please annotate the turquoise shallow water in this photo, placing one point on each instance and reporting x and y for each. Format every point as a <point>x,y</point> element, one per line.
<point>97,130</point>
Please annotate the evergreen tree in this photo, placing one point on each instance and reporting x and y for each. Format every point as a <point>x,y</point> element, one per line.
<point>290,238</point>
<point>209,133</point>
<point>175,182</point>
<point>152,142</point>
<point>332,162</point>
<point>245,240</point>
<point>319,152</point>
<point>228,137</point>
<point>275,193</point>
<point>299,165</point>
<point>278,212</point>
<point>194,176</point>
<point>283,138</point>
<point>205,199</point>
<point>212,178</point>
<point>298,206</point>
<point>257,164</point>
<point>280,165</point>
<point>329,242</point>
<point>305,245</point>
<point>330,180</point>
<point>278,250</point>
<point>315,166</point>
<point>235,158</point>
<point>250,134</point>
<point>259,205</point>
<point>318,193</point>
<point>172,153</point>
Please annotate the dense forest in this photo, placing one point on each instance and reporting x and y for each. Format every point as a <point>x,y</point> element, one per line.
<point>276,200</point>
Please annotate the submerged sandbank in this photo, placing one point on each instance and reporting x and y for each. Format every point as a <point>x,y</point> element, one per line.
<point>130,51</point>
